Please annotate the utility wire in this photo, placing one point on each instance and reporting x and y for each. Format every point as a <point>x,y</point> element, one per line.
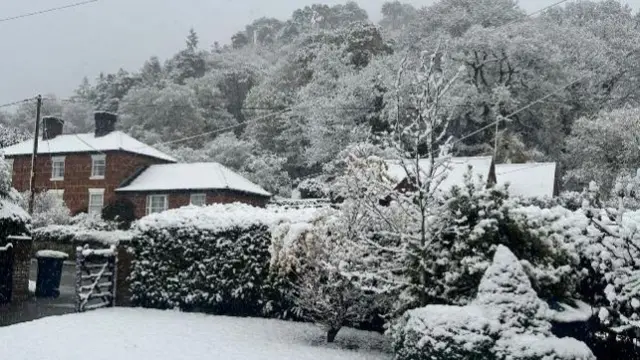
<point>535,12</point>
<point>522,168</point>
<point>17,102</point>
<point>262,108</point>
<point>221,129</point>
<point>47,10</point>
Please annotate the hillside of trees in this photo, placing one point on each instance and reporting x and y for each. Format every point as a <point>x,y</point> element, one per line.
<point>284,98</point>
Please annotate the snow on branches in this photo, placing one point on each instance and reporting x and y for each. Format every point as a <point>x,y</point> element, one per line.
<point>507,320</point>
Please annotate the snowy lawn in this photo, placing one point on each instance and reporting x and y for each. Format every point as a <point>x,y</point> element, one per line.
<point>136,334</point>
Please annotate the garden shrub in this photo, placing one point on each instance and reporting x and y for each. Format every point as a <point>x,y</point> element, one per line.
<point>474,221</point>
<point>507,320</point>
<point>444,332</point>
<point>213,259</point>
<point>120,212</point>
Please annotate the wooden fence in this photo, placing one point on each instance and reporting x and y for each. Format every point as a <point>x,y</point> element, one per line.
<point>95,278</point>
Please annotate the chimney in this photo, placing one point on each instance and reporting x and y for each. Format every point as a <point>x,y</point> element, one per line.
<point>52,127</point>
<point>105,122</point>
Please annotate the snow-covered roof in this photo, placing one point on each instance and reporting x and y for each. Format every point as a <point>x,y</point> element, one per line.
<point>88,142</point>
<point>195,176</point>
<point>453,170</point>
<point>528,180</point>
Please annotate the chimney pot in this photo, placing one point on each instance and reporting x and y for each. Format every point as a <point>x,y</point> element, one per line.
<point>105,122</point>
<point>51,127</point>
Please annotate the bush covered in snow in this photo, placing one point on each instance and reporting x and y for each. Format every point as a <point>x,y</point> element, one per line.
<point>14,220</point>
<point>308,258</point>
<point>48,209</point>
<point>313,188</point>
<point>507,320</point>
<point>214,259</point>
<point>473,222</point>
<point>445,332</point>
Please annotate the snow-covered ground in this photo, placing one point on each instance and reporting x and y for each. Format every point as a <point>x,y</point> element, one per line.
<point>135,334</point>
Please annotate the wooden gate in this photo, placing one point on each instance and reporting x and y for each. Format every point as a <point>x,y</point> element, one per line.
<point>6,273</point>
<point>95,278</point>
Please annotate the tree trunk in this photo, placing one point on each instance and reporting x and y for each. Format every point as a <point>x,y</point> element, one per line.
<point>331,334</point>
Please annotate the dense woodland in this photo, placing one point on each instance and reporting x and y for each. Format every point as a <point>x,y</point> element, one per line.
<point>284,97</point>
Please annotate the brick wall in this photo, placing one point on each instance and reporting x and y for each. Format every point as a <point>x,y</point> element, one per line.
<point>123,293</point>
<point>77,173</point>
<point>181,198</point>
<point>21,265</point>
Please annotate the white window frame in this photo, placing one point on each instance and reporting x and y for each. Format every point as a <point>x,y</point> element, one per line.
<point>94,158</point>
<point>10,166</point>
<point>54,160</point>
<point>202,196</point>
<point>150,209</point>
<point>91,205</point>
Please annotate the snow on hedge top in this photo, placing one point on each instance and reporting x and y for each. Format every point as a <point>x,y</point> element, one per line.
<point>221,217</point>
<point>528,180</point>
<point>77,234</point>
<point>12,211</point>
<point>506,292</point>
<point>76,143</point>
<point>453,170</point>
<point>195,176</point>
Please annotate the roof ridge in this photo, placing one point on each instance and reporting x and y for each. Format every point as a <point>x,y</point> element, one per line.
<point>220,166</point>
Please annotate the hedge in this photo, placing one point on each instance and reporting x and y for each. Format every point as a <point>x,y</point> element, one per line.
<point>214,259</point>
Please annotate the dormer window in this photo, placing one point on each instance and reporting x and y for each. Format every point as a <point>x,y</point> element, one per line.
<point>98,166</point>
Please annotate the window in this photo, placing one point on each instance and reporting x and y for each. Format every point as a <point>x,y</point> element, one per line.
<point>57,168</point>
<point>96,201</point>
<point>10,166</point>
<point>157,203</point>
<point>198,199</point>
<point>98,166</point>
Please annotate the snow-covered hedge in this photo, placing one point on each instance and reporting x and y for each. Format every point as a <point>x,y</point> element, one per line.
<point>13,219</point>
<point>214,259</point>
<point>507,320</point>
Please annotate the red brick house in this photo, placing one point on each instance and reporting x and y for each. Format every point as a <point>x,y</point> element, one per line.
<point>86,169</point>
<point>169,186</point>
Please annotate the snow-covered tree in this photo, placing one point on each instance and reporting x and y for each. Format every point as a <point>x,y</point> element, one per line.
<point>189,63</point>
<point>402,231</point>
<point>174,112</point>
<point>601,148</point>
<point>322,292</point>
<point>267,170</point>
<point>48,209</point>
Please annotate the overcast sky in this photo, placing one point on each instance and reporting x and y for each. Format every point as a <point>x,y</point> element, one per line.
<point>51,53</point>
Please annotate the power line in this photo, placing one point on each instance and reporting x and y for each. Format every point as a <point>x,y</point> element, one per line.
<point>47,10</point>
<point>219,130</point>
<point>17,102</point>
<point>536,12</point>
<point>523,168</point>
<point>263,108</point>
